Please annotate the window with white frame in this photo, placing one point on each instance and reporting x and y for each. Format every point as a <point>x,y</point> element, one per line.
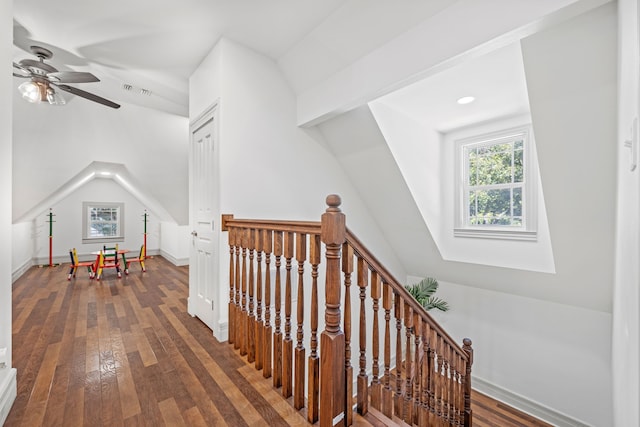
<point>102,222</point>
<point>496,186</point>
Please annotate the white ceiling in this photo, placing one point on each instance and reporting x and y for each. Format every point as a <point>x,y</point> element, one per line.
<point>496,80</point>
<point>156,45</point>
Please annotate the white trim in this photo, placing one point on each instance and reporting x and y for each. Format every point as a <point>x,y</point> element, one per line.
<point>223,331</point>
<point>173,260</point>
<point>86,221</point>
<point>8,392</point>
<point>528,232</point>
<point>492,233</point>
<point>18,272</point>
<point>526,405</point>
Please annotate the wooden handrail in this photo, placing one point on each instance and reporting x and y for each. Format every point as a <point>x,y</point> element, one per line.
<point>430,383</point>
<point>378,267</point>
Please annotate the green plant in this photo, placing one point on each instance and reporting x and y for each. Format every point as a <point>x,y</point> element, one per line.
<point>423,293</point>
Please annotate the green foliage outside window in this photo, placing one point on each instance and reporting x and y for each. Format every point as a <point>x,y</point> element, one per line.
<point>495,183</point>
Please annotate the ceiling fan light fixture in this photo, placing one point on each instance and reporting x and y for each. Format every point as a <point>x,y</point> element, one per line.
<point>54,97</point>
<point>30,91</point>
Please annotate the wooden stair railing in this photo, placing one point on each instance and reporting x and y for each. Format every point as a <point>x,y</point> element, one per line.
<point>410,370</point>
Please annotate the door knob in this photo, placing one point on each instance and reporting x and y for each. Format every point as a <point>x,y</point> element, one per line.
<point>194,233</point>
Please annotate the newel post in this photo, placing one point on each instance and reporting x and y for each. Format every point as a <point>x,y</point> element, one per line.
<point>468,416</point>
<point>332,340</point>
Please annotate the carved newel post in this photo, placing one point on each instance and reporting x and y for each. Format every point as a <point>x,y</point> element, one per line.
<point>332,340</point>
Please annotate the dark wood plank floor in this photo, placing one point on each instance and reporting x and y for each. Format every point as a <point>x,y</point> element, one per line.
<point>124,352</point>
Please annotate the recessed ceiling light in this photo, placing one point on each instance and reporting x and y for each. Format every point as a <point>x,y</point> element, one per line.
<point>466,100</point>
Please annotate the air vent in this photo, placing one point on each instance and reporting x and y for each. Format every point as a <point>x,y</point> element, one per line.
<point>131,88</point>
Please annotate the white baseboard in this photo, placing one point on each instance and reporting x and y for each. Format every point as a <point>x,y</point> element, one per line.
<point>223,331</point>
<point>8,392</point>
<point>21,270</point>
<point>526,405</point>
<point>173,260</point>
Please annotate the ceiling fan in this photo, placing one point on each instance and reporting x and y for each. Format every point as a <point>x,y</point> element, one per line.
<point>43,78</point>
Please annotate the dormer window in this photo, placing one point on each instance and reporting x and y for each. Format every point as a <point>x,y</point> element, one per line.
<point>496,197</point>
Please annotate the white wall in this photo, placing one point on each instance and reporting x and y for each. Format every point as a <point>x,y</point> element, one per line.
<point>626,297</point>
<point>22,248</point>
<point>53,144</point>
<point>67,227</point>
<point>269,168</point>
<point>551,360</point>
<point>576,116</point>
<point>175,242</point>
<point>7,376</point>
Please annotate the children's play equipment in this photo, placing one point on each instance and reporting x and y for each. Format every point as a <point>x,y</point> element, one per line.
<point>50,215</point>
<point>75,264</point>
<point>145,217</point>
<point>108,258</point>
<point>140,259</point>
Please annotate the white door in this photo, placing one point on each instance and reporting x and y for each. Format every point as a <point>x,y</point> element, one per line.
<point>203,196</point>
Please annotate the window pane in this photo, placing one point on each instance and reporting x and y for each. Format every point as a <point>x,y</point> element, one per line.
<point>473,171</point>
<point>472,204</point>
<point>494,166</point>
<point>494,207</point>
<point>518,145</point>
<point>518,166</point>
<point>517,201</point>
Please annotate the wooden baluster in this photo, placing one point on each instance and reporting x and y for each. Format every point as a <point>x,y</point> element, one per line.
<point>397,398</point>
<point>387,393</point>
<point>277,336</point>
<point>238,308</point>
<point>459,391</point>
<point>363,380</point>
<point>432,377</point>
<point>376,389</point>
<point>259,331</point>
<point>417,366</point>
<point>439,380</point>
<point>287,346</point>
<point>244,342</point>
<point>347,270</point>
<point>314,361</point>
<point>468,415</point>
<point>251,323</point>
<point>267,246</point>
<point>232,292</point>
<point>446,398</point>
<point>408,369</point>
<point>332,387</point>
<point>301,257</point>
<point>423,412</point>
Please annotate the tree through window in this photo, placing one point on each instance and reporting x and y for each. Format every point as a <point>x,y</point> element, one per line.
<point>495,183</point>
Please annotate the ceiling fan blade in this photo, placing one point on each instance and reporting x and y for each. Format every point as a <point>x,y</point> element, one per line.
<point>26,72</point>
<point>87,95</point>
<point>73,77</point>
<point>22,76</point>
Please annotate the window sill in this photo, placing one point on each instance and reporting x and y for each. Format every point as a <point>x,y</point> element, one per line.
<point>492,233</point>
<point>102,240</point>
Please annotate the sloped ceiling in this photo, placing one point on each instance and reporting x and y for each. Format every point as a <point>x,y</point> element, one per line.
<point>100,170</point>
<point>571,79</point>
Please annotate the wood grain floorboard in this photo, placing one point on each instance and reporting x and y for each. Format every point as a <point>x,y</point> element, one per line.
<point>124,352</point>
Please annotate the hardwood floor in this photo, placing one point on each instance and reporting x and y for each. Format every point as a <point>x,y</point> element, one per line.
<point>124,352</point>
